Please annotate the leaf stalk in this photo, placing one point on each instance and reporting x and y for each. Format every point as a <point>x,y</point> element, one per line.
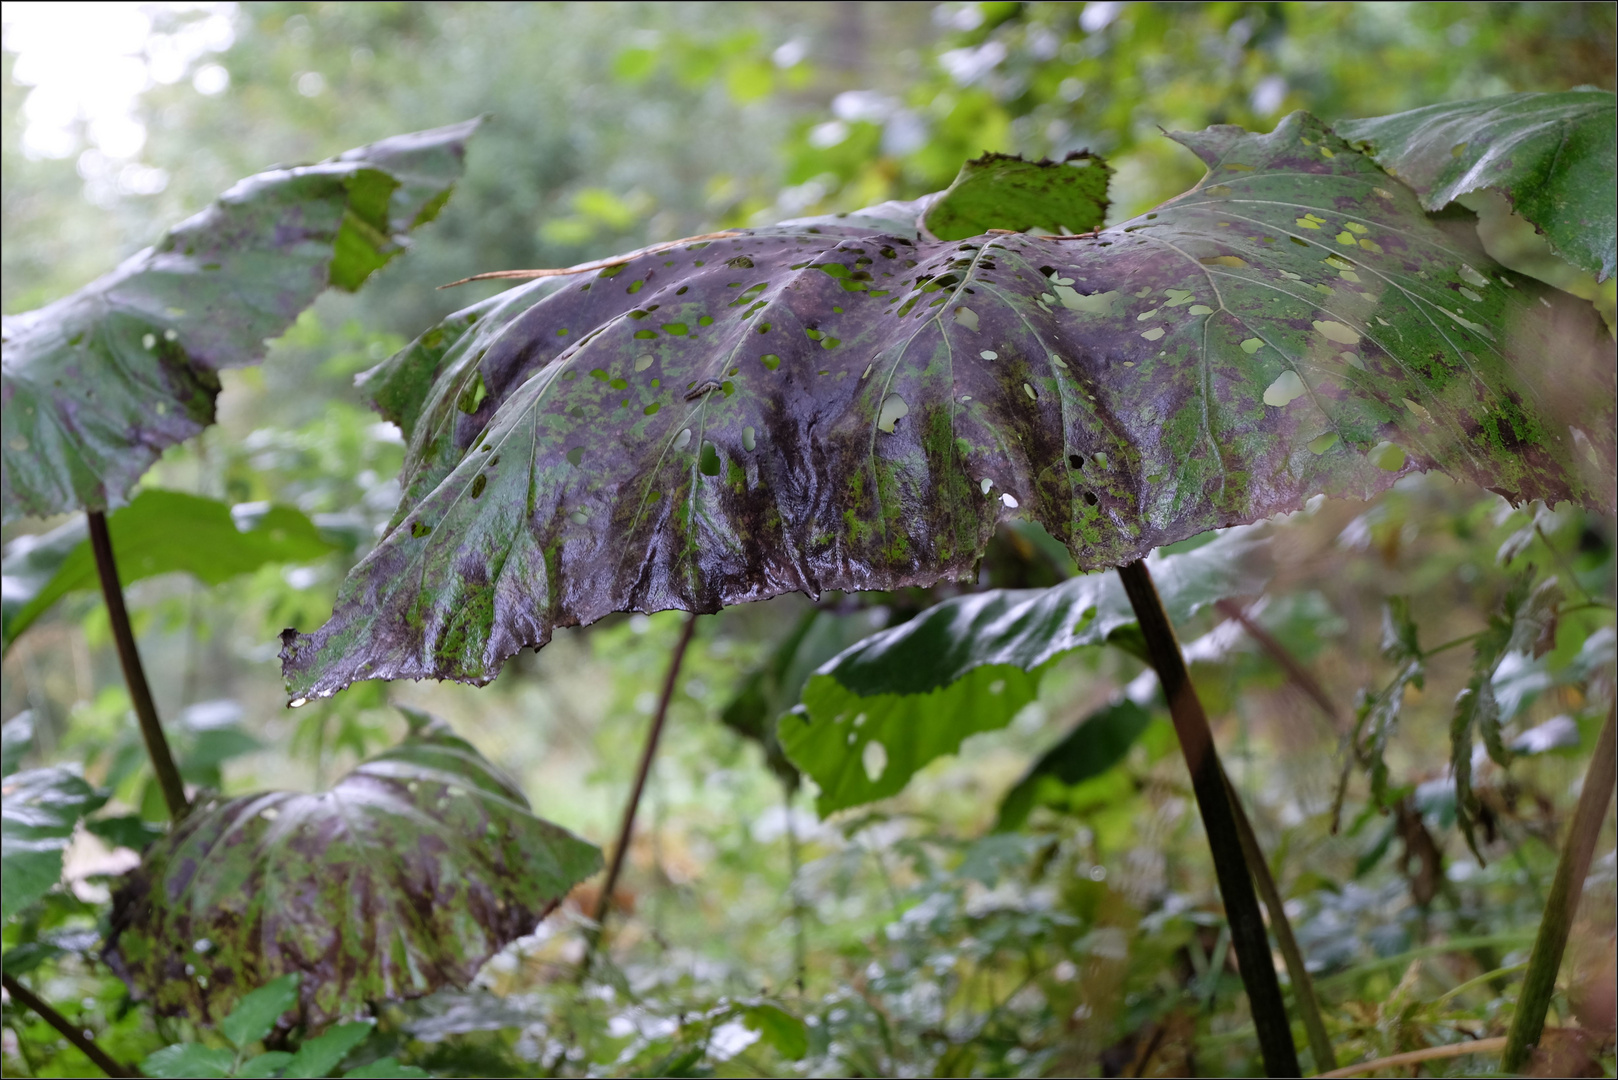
<point>1219,822</point>
<point>140,694</point>
<point>68,1030</point>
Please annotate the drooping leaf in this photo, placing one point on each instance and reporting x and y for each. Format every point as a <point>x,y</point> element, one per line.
<point>778,1027</point>
<point>828,408</point>
<point>404,877</point>
<point>99,383</point>
<point>887,706</point>
<point>1550,154</point>
<point>1096,744</point>
<point>255,1015</point>
<point>998,191</point>
<point>157,533</point>
<point>38,811</point>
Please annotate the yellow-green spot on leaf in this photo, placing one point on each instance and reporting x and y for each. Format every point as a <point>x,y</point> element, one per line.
<point>579,517</point>
<point>1347,238</point>
<point>619,384</point>
<point>1372,246</point>
<point>1057,360</point>
<point>1219,189</point>
<point>1200,309</point>
<point>1153,334</point>
<point>1417,409</point>
<point>1325,152</point>
<point>1323,443</point>
<point>1354,226</point>
<point>643,361</point>
<point>1457,150</point>
<point>1470,295</point>
<point>1337,262</point>
<point>1336,331</point>
<point>1284,390</point>
<point>749,439</point>
<point>770,361</point>
<point>1387,456</point>
<point>1143,316</point>
<point>1305,223</point>
<point>635,287</point>
<point>1224,260</point>
<point>893,410</point>
<point>677,329</point>
<point>1353,360</point>
<point>1029,390</point>
<point>1252,345</point>
<point>1471,275</point>
<point>645,335</point>
<point>1177,297</point>
<point>653,495</point>
<point>1349,275</point>
<point>989,354</point>
<point>472,395</point>
<point>651,410</point>
<point>705,320</point>
<point>1098,304</point>
<point>967,317</point>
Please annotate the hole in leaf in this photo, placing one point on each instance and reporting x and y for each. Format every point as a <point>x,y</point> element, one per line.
<point>643,361</point>
<point>1076,460</point>
<point>420,529</point>
<point>575,455</point>
<point>749,439</point>
<point>875,759</point>
<point>1090,498</point>
<point>478,484</point>
<point>708,460</point>
<point>1284,390</point>
<point>893,410</point>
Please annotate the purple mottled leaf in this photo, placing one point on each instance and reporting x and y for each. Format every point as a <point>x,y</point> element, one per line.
<point>825,406</point>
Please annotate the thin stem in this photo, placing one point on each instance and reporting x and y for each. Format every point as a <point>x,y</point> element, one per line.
<point>1303,987</point>
<point>1283,656</point>
<point>1219,822</point>
<point>1416,1057</point>
<point>68,1030</point>
<point>627,828</point>
<point>1566,889</point>
<point>800,933</point>
<point>140,694</point>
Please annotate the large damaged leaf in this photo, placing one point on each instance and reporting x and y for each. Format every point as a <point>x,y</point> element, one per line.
<point>820,407</point>
<point>99,383</point>
<point>1551,154</point>
<point>403,878</point>
<point>885,707</point>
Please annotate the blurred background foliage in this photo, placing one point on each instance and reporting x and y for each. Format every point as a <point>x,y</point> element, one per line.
<point>910,938</point>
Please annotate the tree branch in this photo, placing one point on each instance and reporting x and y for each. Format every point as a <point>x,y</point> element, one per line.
<point>69,1031</point>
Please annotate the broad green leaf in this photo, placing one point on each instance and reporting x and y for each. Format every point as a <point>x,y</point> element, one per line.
<point>263,1065</point>
<point>404,877</point>
<point>188,1059</point>
<point>1550,154</point>
<point>16,739</point>
<point>320,1055</point>
<point>887,706</point>
<point>779,1028</point>
<point>824,407</point>
<point>1096,744</point>
<point>157,533</point>
<point>97,384</point>
<point>255,1015</point>
<point>998,191</point>
<point>37,815</point>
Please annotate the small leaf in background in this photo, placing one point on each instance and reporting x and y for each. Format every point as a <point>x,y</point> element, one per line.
<point>1001,191</point>
<point>320,1055</point>
<point>902,697</point>
<point>37,816</point>
<point>1096,744</point>
<point>255,1016</point>
<point>778,1028</point>
<point>1550,154</point>
<point>188,1059</point>
<point>127,830</point>
<point>159,532</point>
<point>406,876</point>
<point>99,383</point>
<point>16,739</point>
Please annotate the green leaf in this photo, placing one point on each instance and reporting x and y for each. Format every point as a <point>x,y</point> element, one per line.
<point>127,830</point>
<point>999,191</point>
<point>1096,744</point>
<point>16,739</point>
<point>157,533</point>
<point>263,1065</point>
<point>887,706</point>
<point>255,1015</point>
<point>404,877</point>
<point>1550,154</point>
<point>188,1059</point>
<point>386,1068</point>
<point>813,408</point>
<point>97,384</point>
<point>785,1032</point>
<point>320,1055</point>
<point>37,816</point>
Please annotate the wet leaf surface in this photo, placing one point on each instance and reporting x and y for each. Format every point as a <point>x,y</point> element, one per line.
<point>822,407</point>
<point>99,383</point>
<point>1550,154</point>
<point>157,533</point>
<point>38,813</point>
<point>405,877</point>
